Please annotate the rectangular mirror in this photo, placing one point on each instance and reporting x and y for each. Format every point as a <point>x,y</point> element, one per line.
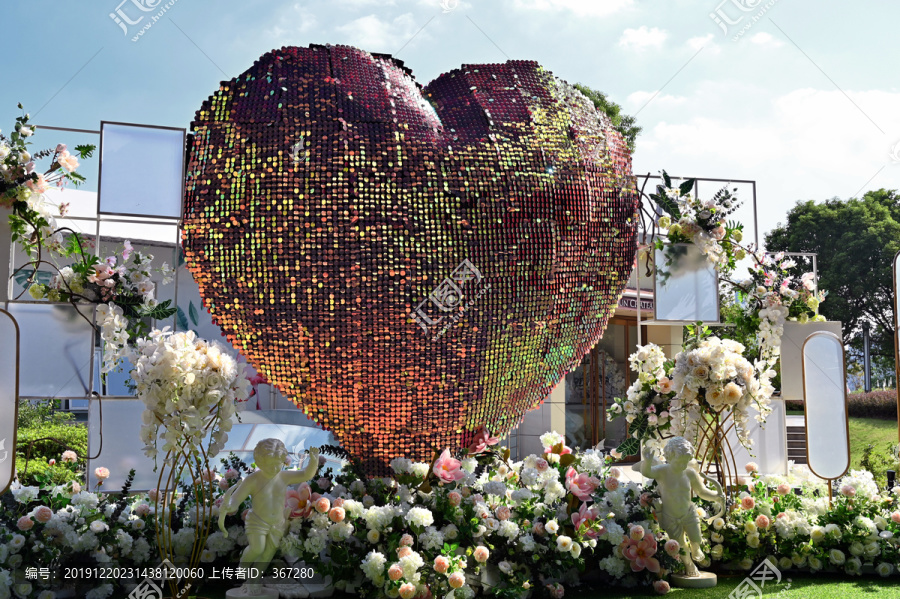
<point>686,285</point>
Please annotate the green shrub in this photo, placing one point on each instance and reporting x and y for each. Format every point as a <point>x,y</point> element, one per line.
<point>875,404</point>
<point>44,434</point>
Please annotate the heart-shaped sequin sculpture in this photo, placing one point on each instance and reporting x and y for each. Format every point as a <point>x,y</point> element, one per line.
<point>407,264</point>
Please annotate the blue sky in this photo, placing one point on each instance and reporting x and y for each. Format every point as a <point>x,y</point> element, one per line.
<point>805,101</point>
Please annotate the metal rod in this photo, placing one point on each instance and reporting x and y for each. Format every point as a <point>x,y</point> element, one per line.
<point>69,129</point>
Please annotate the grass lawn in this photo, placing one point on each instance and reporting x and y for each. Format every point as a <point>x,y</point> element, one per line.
<point>870,430</point>
<point>798,586</point>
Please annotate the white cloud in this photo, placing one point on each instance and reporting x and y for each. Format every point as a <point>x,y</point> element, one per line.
<point>642,38</point>
<point>295,20</point>
<point>594,8</point>
<point>766,40</point>
<point>637,99</point>
<point>705,42</point>
<point>375,34</point>
<point>805,144</point>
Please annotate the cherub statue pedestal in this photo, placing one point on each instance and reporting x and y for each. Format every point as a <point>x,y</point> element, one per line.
<point>266,521</point>
<point>679,480</point>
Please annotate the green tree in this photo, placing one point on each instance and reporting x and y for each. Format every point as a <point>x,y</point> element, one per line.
<point>623,123</point>
<point>856,241</point>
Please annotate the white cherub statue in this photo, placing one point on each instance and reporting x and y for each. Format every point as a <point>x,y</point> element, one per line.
<point>678,480</point>
<point>266,520</point>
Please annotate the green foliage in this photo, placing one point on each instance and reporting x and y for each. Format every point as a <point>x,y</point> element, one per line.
<point>878,462</point>
<point>44,433</point>
<point>856,241</point>
<point>623,123</point>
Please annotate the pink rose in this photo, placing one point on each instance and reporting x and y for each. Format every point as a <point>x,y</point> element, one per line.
<point>454,498</point>
<point>406,540</point>
<point>52,462</point>
<point>848,491</point>
<point>142,509</point>
<point>645,499</point>
<point>25,523</point>
<point>447,469</point>
<point>541,465</point>
<point>43,514</point>
<point>784,489</point>
<point>231,474</point>
<point>556,590</point>
<point>336,514</point>
<point>636,532</point>
<point>895,517</point>
<point>748,503</point>
<point>466,491</point>
<point>539,529</point>
<point>323,505</point>
<point>611,484</point>
<point>482,441</point>
<point>456,580</point>
<point>481,554</point>
<point>69,456</point>
<point>323,483</point>
<point>407,590</point>
<point>762,521</point>
<point>503,512</point>
<point>672,547</point>
<point>404,551</point>
<point>76,487</point>
<point>101,473</point>
<point>751,467</point>
<point>223,484</point>
<point>661,587</point>
<point>395,572</point>
<point>153,494</point>
<point>441,564</point>
<point>67,161</point>
<point>615,472</point>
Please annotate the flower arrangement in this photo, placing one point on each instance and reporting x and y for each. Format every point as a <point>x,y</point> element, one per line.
<point>714,376</point>
<point>123,283</point>
<point>504,529</point>
<point>190,388</point>
<point>774,295</point>
<point>701,222</point>
<point>647,403</point>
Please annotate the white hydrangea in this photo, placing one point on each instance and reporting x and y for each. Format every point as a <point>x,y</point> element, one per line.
<point>400,465</point>
<point>219,543</point>
<point>420,516</point>
<point>85,499</point>
<point>25,494</point>
<point>419,469</point>
<point>410,565</point>
<point>614,566</point>
<point>520,495</point>
<point>508,529</point>
<point>373,565</point>
<point>552,438</point>
<point>496,488</point>
<point>615,534</point>
<point>591,462</point>
<point>863,482</point>
<point>554,491</point>
<point>432,539</point>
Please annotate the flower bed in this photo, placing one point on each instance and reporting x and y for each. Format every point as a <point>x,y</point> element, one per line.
<point>459,527</point>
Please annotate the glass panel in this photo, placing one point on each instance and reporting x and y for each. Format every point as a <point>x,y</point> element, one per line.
<point>151,155</point>
<point>8,399</point>
<point>826,405</point>
<point>686,285</point>
<point>121,448</point>
<point>56,348</point>
<point>579,425</point>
